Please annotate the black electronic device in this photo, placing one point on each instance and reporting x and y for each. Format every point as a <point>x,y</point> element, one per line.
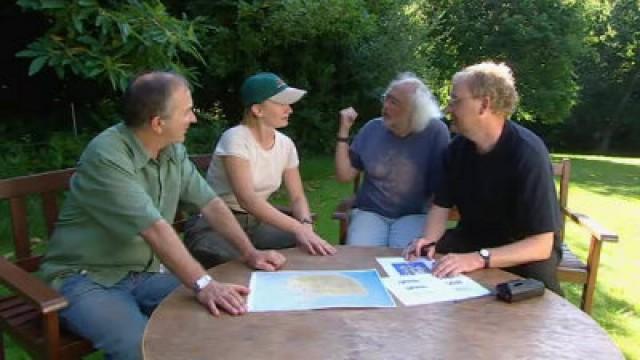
<point>521,289</point>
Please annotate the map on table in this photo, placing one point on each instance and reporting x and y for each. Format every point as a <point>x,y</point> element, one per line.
<point>321,289</point>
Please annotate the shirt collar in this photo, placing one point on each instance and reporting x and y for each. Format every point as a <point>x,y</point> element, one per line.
<point>140,155</point>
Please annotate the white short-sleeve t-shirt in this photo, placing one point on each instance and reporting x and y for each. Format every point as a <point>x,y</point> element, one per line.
<point>267,166</point>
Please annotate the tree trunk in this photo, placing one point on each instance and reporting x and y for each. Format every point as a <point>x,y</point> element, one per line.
<point>606,133</point>
<point>604,141</point>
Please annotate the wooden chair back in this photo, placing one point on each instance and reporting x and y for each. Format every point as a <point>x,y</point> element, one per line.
<point>30,314</point>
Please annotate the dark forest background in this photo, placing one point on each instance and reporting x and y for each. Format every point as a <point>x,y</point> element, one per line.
<point>65,64</point>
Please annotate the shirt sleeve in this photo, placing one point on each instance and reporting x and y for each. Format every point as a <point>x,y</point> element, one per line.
<point>538,210</point>
<point>107,190</point>
<point>443,196</point>
<point>195,192</point>
<point>440,141</point>
<point>292,154</point>
<point>356,148</point>
<point>233,142</point>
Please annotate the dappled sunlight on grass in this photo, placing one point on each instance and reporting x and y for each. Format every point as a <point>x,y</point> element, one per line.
<point>619,177</point>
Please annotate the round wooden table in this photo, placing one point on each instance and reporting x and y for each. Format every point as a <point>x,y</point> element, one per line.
<point>546,327</point>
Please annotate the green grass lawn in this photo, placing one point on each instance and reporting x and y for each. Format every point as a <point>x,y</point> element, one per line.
<point>606,188</point>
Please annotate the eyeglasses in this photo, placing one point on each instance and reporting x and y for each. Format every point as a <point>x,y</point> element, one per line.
<point>457,100</point>
<point>392,99</point>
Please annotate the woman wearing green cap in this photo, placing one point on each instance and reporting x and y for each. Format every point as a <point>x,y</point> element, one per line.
<point>249,163</point>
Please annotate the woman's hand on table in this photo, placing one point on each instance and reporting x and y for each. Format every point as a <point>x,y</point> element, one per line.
<point>312,243</point>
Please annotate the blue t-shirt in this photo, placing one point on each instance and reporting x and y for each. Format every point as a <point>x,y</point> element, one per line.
<point>400,173</point>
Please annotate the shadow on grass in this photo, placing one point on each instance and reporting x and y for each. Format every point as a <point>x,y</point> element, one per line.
<point>606,177</point>
<point>606,311</point>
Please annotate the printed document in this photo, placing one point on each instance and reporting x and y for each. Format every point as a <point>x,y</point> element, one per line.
<point>413,287</point>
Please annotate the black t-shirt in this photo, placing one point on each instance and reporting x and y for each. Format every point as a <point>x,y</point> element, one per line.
<point>503,195</point>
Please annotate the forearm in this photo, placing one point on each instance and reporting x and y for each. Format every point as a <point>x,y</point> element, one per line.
<point>166,244</point>
<point>220,218</point>
<point>436,223</point>
<point>532,248</point>
<point>267,213</point>
<point>300,208</point>
<point>344,171</point>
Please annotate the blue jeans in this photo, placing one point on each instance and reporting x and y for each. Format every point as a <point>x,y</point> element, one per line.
<point>367,228</point>
<point>114,317</point>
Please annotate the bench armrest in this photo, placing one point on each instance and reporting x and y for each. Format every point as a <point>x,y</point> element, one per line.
<point>31,288</point>
<point>343,209</point>
<point>598,231</point>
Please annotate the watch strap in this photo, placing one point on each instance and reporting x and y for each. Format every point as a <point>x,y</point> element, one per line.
<point>486,256</point>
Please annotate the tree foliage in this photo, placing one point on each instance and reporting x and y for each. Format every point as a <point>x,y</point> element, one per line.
<point>575,61</point>
<point>110,40</point>
<point>342,52</point>
<point>539,39</point>
<point>609,72</point>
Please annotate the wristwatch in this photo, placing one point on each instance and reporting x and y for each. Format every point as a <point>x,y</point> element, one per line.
<point>485,254</point>
<point>202,283</point>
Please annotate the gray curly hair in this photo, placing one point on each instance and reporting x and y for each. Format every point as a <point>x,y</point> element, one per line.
<point>425,105</point>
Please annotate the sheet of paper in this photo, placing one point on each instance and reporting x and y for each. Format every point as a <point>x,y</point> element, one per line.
<point>427,289</point>
<point>398,266</point>
<point>306,290</point>
<point>412,283</point>
<point>416,290</point>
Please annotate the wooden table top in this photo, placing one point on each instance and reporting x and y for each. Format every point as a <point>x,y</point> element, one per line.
<point>546,327</point>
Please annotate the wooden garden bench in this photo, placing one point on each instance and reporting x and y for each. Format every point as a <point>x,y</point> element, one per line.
<point>30,314</point>
<point>571,269</point>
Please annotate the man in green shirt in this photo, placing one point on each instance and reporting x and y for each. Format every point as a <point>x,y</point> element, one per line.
<point>114,237</point>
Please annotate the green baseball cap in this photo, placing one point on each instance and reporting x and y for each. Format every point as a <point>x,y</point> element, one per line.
<point>268,86</point>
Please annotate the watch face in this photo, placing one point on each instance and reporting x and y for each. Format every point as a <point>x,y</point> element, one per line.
<point>203,282</point>
<point>484,253</point>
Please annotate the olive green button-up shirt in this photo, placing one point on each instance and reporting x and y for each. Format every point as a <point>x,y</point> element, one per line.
<point>117,192</point>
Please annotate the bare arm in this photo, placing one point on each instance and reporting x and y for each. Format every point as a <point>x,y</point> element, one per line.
<point>298,200</point>
<point>306,237</point>
<point>239,174</point>
<point>222,220</point>
<point>166,244</point>
<point>531,248</point>
<point>344,171</point>
<point>169,248</point>
<point>435,226</point>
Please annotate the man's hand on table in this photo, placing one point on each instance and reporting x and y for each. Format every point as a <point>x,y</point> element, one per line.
<point>446,266</point>
<point>456,264</point>
<point>228,297</point>
<point>268,260</point>
<point>417,246</point>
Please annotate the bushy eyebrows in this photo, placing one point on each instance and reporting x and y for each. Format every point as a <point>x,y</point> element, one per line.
<point>390,96</point>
